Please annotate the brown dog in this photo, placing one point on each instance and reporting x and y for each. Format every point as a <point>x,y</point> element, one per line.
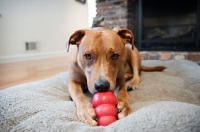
<point>99,63</point>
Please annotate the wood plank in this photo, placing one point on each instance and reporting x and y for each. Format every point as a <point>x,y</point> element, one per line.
<point>12,74</point>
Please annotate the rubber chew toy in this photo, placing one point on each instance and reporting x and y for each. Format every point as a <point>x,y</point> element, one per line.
<point>105,105</point>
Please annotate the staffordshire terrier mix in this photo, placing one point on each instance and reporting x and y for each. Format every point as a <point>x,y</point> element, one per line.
<point>103,62</point>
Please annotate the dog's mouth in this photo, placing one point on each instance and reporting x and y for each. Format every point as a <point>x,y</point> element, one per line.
<point>93,91</point>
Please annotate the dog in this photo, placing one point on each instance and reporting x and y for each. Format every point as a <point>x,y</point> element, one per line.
<point>102,62</point>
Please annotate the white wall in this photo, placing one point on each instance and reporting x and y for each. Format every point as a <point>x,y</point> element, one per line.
<point>47,22</point>
<point>91,11</point>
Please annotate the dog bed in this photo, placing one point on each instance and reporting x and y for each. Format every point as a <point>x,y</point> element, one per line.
<point>165,101</point>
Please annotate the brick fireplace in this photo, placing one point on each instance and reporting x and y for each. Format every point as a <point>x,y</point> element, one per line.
<point>155,40</point>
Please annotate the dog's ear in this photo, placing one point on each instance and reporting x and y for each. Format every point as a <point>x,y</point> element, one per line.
<point>126,35</point>
<point>76,38</point>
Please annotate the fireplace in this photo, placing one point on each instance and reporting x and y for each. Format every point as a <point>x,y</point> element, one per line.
<point>168,25</point>
<point>163,29</point>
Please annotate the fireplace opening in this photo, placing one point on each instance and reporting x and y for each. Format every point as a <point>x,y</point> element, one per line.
<point>168,25</point>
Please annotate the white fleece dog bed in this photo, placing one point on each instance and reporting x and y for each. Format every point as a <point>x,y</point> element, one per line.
<point>165,101</point>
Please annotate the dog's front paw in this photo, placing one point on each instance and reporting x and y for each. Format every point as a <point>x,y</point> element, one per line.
<point>133,85</point>
<point>130,88</point>
<point>86,114</point>
<point>124,109</point>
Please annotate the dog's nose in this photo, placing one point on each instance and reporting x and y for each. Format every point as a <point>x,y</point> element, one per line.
<point>102,85</point>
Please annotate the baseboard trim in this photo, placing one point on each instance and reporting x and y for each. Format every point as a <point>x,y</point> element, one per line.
<point>32,56</point>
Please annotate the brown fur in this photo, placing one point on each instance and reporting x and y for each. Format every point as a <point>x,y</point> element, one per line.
<point>101,55</point>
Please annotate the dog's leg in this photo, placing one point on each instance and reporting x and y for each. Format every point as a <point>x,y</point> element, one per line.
<point>85,111</point>
<point>123,99</point>
<point>136,77</point>
<point>123,103</point>
<point>135,63</point>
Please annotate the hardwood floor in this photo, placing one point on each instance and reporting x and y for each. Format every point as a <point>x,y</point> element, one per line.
<point>12,74</point>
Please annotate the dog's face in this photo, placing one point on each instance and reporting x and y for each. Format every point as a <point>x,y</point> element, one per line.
<point>101,55</point>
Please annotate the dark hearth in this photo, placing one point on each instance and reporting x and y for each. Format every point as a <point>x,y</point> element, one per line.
<point>168,25</point>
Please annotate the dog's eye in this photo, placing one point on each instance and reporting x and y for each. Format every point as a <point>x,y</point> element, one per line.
<point>115,57</point>
<point>88,56</point>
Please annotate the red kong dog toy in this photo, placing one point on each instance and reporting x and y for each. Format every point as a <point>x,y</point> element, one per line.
<point>105,105</point>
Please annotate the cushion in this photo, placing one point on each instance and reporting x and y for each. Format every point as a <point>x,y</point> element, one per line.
<point>165,101</point>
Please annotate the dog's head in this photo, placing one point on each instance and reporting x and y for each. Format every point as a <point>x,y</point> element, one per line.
<point>101,56</point>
